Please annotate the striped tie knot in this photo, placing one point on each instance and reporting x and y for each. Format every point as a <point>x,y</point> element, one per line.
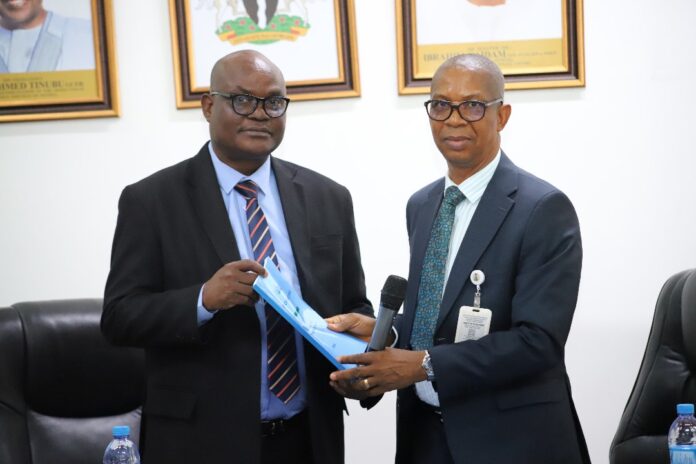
<point>248,189</point>
<point>259,230</point>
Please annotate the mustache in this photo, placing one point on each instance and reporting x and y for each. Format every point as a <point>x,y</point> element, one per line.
<point>255,129</point>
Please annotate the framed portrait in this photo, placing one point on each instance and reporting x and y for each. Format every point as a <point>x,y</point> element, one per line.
<point>536,43</point>
<point>57,60</point>
<point>312,41</point>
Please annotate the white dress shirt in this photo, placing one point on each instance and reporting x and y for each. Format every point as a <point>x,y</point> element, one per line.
<point>473,189</point>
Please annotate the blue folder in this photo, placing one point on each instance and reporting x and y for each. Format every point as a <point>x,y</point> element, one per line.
<point>277,292</point>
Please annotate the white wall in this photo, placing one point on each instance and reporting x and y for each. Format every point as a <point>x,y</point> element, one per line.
<point>620,148</point>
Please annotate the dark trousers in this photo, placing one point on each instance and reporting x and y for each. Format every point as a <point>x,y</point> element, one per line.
<point>287,442</point>
<point>429,442</point>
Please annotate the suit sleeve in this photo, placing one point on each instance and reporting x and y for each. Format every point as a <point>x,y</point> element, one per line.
<point>546,288</point>
<point>138,311</point>
<point>354,292</point>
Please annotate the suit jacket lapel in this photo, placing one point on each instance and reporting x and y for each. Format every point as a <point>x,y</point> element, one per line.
<point>494,206</point>
<point>427,210</point>
<point>293,199</point>
<point>204,191</point>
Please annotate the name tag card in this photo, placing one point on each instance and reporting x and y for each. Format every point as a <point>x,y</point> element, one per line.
<point>472,324</point>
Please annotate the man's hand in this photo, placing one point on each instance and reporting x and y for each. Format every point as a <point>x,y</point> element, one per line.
<point>357,325</point>
<point>378,372</point>
<point>231,285</point>
<point>352,389</point>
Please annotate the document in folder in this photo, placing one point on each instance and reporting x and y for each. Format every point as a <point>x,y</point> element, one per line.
<point>280,295</point>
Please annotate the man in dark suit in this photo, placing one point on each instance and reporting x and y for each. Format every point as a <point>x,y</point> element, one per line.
<point>228,380</point>
<point>468,394</point>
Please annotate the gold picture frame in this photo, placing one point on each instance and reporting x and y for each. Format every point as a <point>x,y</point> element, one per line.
<point>71,72</point>
<point>319,57</point>
<point>549,53</point>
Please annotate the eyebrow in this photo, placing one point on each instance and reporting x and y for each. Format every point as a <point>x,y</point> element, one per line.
<point>272,93</point>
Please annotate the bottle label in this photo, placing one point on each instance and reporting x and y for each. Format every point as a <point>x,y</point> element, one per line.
<point>682,454</point>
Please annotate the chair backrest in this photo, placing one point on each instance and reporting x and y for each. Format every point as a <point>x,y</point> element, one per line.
<point>667,376</point>
<point>62,385</point>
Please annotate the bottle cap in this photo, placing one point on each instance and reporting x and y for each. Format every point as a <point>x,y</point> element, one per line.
<point>120,431</point>
<point>685,408</point>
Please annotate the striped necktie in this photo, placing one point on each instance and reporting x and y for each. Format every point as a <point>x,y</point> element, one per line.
<point>283,375</point>
<point>432,280</point>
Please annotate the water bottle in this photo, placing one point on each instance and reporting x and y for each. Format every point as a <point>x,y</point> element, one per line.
<point>682,436</point>
<point>121,450</point>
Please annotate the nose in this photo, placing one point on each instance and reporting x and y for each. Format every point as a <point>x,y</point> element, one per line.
<point>259,113</point>
<point>456,119</point>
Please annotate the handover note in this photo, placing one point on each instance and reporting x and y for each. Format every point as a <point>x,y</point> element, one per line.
<point>277,292</point>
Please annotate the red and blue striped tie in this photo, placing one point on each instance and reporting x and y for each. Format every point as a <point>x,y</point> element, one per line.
<point>283,375</point>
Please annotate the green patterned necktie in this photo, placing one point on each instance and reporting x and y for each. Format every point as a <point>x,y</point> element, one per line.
<point>432,279</point>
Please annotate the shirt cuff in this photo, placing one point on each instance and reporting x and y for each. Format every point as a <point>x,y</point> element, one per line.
<point>203,314</point>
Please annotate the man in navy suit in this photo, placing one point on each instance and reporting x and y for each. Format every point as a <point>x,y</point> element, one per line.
<point>468,393</point>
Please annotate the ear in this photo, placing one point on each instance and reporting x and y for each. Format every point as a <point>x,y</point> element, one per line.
<point>207,105</point>
<point>503,116</point>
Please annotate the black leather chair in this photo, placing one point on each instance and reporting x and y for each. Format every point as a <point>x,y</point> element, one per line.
<point>667,376</point>
<point>62,386</point>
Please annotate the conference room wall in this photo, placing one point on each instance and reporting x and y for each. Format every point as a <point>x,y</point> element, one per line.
<point>621,149</point>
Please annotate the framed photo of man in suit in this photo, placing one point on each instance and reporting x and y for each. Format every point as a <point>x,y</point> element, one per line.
<point>536,43</point>
<point>56,60</point>
<point>312,41</point>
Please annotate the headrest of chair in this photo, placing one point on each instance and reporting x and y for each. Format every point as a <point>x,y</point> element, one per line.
<point>68,360</point>
<point>689,319</point>
<point>11,360</point>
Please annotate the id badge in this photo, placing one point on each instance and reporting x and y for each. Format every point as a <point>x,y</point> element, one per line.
<point>472,324</point>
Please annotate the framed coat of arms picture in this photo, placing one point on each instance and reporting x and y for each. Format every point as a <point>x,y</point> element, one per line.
<point>312,41</point>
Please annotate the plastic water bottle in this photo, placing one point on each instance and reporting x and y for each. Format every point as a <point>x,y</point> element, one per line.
<point>682,436</point>
<point>121,450</point>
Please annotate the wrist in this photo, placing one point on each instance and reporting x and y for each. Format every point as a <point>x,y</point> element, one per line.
<point>205,302</point>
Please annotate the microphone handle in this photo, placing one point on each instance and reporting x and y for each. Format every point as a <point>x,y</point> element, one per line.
<point>383,325</point>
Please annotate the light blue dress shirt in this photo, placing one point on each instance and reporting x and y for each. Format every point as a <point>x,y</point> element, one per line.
<point>269,199</point>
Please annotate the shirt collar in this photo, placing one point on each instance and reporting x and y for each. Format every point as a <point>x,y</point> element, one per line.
<point>228,177</point>
<point>474,186</point>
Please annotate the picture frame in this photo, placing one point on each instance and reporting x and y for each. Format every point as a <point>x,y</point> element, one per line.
<point>536,43</point>
<point>69,70</point>
<point>312,41</point>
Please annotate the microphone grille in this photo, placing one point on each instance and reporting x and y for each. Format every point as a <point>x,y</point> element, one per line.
<point>393,292</point>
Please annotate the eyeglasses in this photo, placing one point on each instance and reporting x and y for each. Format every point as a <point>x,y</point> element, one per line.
<point>469,110</point>
<point>244,104</point>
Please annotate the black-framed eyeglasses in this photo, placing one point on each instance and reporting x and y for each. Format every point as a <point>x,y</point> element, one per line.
<point>469,110</point>
<point>244,104</point>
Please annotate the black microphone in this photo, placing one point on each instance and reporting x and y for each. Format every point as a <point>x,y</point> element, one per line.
<point>393,294</point>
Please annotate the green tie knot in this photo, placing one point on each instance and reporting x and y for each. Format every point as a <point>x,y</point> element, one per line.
<point>453,196</point>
